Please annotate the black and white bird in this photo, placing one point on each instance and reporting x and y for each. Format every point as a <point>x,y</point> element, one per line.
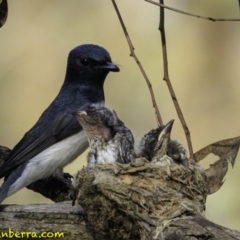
<point>157,146</point>
<point>109,139</point>
<point>57,138</point>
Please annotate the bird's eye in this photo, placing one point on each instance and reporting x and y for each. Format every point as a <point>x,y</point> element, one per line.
<point>84,62</point>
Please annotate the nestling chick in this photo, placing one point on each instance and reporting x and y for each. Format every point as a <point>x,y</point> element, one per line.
<point>109,139</point>
<point>157,146</point>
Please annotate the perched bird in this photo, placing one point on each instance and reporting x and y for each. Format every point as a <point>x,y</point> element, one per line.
<point>110,141</point>
<point>157,146</point>
<point>57,138</point>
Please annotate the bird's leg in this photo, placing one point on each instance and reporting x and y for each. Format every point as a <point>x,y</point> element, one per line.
<point>66,179</point>
<point>63,177</point>
<point>91,159</point>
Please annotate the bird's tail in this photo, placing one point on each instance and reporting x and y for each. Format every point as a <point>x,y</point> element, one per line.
<point>3,192</point>
<point>8,187</point>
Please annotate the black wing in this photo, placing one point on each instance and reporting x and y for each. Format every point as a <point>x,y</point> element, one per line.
<point>30,145</point>
<point>125,147</point>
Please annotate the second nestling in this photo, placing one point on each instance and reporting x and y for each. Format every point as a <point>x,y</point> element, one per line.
<point>111,141</point>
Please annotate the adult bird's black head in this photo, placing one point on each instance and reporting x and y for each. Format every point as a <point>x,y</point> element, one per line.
<point>89,63</point>
<point>87,68</point>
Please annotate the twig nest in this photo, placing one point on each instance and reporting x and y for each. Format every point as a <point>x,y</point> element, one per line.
<point>123,201</point>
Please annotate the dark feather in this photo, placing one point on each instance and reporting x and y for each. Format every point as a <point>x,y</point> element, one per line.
<point>30,145</point>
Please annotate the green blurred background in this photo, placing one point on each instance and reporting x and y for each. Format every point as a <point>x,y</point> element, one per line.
<point>203,63</point>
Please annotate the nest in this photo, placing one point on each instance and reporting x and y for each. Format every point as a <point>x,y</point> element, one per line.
<point>141,198</point>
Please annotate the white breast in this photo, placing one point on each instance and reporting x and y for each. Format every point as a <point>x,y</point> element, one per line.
<point>102,152</point>
<point>45,163</point>
<point>108,154</point>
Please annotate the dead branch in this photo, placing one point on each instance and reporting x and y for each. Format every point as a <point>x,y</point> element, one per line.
<point>59,217</point>
<point>192,15</point>
<point>132,54</point>
<point>168,82</point>
<point>63,218</point>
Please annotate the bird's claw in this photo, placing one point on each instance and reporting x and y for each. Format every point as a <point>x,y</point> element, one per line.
<point>72,195</point>
<point>67,176</point>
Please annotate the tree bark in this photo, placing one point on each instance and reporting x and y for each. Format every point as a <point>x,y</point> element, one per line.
<point>63,217</point>
<point>53,218</point>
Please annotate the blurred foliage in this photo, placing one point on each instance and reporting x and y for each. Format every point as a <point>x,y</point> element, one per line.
<point>203,65</point>
<point>3,12</point>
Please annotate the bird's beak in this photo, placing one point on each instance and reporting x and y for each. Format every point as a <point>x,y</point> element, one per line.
<point>83,113</point>
<point>165,133</point>
<point>110,67</point>
<point>79,114</point>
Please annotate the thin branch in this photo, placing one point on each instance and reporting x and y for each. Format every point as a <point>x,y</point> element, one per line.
<point>194,15</point>
<point>239,4</point>
<point>168,82</point>
<point>132,54</point>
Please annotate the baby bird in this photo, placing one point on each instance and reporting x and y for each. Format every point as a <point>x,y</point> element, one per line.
<point>109,139</point>
<point>157,146</point>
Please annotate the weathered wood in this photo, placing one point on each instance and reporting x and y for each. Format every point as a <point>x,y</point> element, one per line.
<point>196,227</point>
<point>59,217</point>
<point>62,217</point>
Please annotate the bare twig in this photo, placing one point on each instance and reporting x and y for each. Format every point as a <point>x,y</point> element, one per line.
<point>239,4</point>
<point>193,15</point>
<point>167,79</point>
<point>132,54</point>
